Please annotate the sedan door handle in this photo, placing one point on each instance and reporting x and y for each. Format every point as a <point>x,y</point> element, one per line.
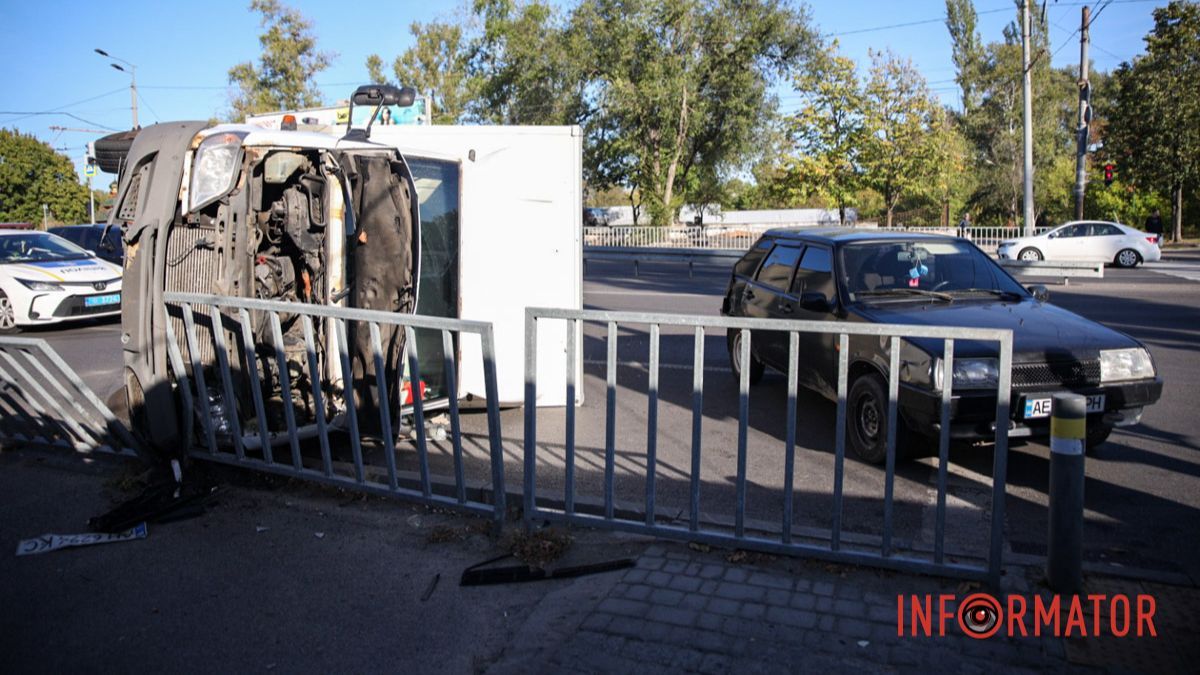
<point>786,308</point>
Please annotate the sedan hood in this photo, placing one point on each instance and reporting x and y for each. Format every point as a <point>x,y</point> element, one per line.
<point>83,270</point>
<point>1041,331</point>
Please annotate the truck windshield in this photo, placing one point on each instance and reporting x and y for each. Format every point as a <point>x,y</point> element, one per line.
<point>38,247</point>
<point>900,269</point>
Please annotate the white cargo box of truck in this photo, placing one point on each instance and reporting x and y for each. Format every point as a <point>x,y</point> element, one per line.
<point>516,242</point>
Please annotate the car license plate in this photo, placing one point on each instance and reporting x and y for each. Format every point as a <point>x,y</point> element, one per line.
<point>1040,407</point>
<point>99,300</point>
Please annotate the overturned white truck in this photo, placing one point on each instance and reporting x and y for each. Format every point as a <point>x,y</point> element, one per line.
<point>290,216</point>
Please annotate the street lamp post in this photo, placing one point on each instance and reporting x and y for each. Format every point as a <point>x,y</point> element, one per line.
<point>132,80</point>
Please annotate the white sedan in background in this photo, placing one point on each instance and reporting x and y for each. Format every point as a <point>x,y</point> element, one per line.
<point>45,279</point>
<point>1086,240</point>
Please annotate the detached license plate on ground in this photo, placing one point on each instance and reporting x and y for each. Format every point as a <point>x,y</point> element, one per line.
<point>98,300</point>
<point>1040,407</point>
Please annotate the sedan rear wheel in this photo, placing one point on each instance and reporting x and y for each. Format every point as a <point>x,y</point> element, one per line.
<point>8,318</point>
<point>1030,255</point>
<point>1128,257</point>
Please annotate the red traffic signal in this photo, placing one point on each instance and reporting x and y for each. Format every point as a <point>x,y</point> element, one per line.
<point>1109,170</point>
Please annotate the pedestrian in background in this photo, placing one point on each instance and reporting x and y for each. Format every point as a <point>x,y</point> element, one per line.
<point>964,226</point>
<point>1154,225</point>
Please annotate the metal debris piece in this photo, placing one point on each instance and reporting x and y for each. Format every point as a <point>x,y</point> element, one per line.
<point>52,542</point>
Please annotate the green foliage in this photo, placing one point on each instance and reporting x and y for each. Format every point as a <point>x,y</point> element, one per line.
<point>283,77</point>
<point>436,66</point>
<point>990,78</point>
<point>828,133</point>
<point>526,66</point>
<point>899,148</point>
<point>33,174</point>
<point>1154,122</point>
<point>681,86</point>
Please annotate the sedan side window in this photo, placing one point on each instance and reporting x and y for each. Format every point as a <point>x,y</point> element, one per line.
<point>815,273</point>
<point>777,269</point>
<point>1106,230</point>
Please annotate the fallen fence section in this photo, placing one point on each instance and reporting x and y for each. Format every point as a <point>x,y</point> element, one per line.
<point>1063,270</point>
<point>44,402</point>
<point>261,374</point>
<point>839,548</point>
<point>639,255</point>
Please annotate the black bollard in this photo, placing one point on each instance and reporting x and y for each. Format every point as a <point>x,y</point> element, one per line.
<point>1068,431</point>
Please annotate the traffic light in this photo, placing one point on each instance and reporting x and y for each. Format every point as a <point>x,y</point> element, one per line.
<point>1110,169</point>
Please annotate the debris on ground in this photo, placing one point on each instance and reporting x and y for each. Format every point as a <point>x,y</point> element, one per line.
<point>482,575</point>
<point>429,589</point>
<point>539,548</point>
<point>442,534</point>
<point>53,542</point>
<point>162,502</point>
<point>742,557</point>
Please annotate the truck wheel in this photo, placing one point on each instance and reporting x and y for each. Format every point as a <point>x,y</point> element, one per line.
<point>733,338</point>
<point>867,421</point>
<point>8,318</point>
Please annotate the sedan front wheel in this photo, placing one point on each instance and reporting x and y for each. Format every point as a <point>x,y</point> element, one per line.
<point>8,318</point>
<point>1030,255</point>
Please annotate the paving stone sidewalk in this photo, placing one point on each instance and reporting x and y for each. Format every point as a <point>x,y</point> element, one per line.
<point>686,611</point>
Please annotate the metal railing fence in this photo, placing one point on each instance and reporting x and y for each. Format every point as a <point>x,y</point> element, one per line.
<point>310,380</point>
<point>538,508</point>
<point>44,402</point>
<point>741,237</point>
<point>708,237</point>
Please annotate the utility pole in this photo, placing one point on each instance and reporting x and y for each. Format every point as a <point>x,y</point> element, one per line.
<point>1085,116</point>
<point>1028,125</point>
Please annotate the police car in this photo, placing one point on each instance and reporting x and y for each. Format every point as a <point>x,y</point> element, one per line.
<point>45,279</point>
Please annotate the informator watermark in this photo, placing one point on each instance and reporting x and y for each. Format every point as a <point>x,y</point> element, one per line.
<point>981,615</point>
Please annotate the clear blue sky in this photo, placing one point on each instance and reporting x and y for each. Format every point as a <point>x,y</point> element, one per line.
<point>183,50</point>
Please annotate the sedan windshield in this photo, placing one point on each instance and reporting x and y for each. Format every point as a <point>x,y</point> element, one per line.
<point>38,247</point>
<point>923,269</point>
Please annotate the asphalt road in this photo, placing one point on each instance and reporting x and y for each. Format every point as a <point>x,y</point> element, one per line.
<point>1142,490</point>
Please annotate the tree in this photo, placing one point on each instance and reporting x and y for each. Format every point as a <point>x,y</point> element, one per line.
<point>990,79</point>
<point>899,150</point>
<point>828,133</point>
<point>967,50</point>
<point>526,66</point>
<point>436,65</point>
<point>1154,126</point>
<point>283,78</point>
<point>682,85</point>
<point>33,174</point>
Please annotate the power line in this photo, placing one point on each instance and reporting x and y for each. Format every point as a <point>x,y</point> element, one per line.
<point>25,114</point>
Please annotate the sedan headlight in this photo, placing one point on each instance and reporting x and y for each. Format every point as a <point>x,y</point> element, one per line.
<point>39,285</point>
<point>970,373</point>
<point>1125,364</point>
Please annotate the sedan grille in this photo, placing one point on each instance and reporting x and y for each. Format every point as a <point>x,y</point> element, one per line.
<point>1056,374</point>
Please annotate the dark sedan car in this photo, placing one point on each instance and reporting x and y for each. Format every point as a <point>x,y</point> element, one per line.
<point>92,238</point>
<point>834,274</point>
